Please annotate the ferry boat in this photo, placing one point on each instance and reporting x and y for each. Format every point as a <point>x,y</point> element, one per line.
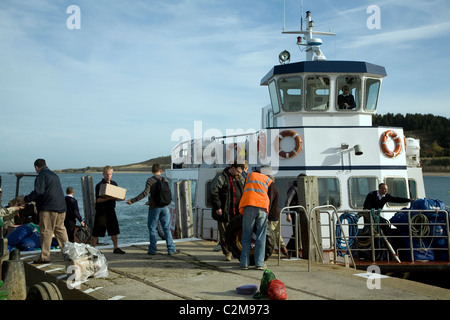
<point>307,129</point>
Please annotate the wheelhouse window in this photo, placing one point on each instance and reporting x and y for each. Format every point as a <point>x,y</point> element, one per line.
<point>317,93</point>
<point>290,93</point>
<point>359,188</point>
<point>397,187</point>
<point>274,97</point>
<point>348,92</point>
<point>372,92</point>
<point>329,191</point>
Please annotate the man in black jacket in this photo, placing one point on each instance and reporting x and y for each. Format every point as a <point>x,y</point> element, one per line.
<point>378,198</point>
<point>72,214</point>
<point>51,206</point>
<point>226,192</point>
<point>105,214</point>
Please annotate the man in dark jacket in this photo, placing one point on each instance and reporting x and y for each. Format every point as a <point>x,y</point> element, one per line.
<point>51,207</point>
<point>274,215</point>
<point>105,214</point>
<point>378,198</point>
<point>72,214</point>
<point>226,192</point>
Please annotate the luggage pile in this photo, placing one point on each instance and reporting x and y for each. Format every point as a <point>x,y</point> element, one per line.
<point>428,230</point>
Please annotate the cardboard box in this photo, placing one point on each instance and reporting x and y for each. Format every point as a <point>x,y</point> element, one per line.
<point>110,191</point>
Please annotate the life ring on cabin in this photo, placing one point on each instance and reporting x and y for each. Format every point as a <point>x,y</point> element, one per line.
<point>298,144</point>
<point>397,140</point>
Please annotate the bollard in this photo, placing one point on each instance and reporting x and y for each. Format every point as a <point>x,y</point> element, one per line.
<point>13,275</point>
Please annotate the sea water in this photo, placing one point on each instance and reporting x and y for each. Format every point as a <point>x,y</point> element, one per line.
<point>133,218</point>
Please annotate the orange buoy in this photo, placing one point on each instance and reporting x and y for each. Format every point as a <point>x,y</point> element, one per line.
<point>397,140</point>
<point>298,144</point>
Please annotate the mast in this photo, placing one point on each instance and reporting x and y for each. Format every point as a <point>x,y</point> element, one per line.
<point>312,44</point>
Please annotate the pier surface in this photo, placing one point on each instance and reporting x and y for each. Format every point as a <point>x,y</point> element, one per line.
<point>199,273</point>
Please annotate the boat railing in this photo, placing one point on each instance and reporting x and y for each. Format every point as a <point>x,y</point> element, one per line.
<point>189,152</point>
<point>297,210</point>
<point>296,236</point>
<point>379,239</point>
<point>367,233</point>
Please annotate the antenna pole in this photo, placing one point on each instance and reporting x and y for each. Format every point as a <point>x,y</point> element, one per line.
<point>301,15</point>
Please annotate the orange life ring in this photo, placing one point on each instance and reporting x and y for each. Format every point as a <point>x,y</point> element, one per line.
<point>398,143</point>
<point>298,144</point>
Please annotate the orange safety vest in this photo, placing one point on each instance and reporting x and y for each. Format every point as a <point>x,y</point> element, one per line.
<point>256,192</point>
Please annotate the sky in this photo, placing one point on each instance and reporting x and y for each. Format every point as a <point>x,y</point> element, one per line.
<point>108,82</point>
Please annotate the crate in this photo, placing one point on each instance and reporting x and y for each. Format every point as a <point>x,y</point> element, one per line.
<point>113,192</point>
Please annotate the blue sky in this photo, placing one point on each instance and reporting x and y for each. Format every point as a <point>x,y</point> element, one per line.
<point>113,91</point>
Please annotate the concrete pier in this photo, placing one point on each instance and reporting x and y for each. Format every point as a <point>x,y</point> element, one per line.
<point>199,273</point>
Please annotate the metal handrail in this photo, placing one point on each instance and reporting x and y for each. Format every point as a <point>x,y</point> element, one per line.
<point>290,210</point>
<point>410,235</point>
<point>333,208</point>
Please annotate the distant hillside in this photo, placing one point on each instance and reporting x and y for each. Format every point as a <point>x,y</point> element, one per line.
<point>144,166</point>
<point>433,132</point>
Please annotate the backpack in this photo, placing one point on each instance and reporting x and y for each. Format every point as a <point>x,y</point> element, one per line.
<point>161,194</point>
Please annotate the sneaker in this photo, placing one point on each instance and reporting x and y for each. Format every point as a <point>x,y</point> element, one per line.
<point>118,251</point>
<point>228,257</point>
<point>264,267</point>
<point>244,268</point>
<point>217,248</point>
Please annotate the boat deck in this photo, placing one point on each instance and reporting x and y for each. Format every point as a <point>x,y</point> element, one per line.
<point>199,273</point>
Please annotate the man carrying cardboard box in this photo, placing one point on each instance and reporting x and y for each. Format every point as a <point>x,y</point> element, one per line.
<point>105,213</point>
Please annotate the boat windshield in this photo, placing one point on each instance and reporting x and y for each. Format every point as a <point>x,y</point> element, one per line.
<point>372,91</point>
<point>317,93</point>
<point>291,93</point>
<point>348,89</point>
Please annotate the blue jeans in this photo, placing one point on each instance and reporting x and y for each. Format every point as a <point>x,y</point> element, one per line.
<point>253,216</point>
<point>162,214</point>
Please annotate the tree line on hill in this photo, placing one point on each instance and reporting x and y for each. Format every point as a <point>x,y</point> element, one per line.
<point>433,131</point>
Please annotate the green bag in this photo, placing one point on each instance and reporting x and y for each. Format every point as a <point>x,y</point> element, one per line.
<point>267,277</point>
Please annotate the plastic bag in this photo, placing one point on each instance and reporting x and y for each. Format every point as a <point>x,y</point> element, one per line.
<point>20,233</point>
<point>89,260</point>
<point>267,277</point>
<point>276,290</point>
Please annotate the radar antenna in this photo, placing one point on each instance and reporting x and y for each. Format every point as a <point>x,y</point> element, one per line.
<point>312,45</point>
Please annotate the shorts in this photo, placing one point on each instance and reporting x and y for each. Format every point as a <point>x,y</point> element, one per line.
<point>105,220</point>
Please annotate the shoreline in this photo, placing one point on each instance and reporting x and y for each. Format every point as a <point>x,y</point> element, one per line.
<point>436,174</point>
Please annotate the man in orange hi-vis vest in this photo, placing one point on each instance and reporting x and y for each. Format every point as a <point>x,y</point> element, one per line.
<point>254,206</point>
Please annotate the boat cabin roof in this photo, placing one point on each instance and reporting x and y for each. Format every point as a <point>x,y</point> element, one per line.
<point>325,67</point>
